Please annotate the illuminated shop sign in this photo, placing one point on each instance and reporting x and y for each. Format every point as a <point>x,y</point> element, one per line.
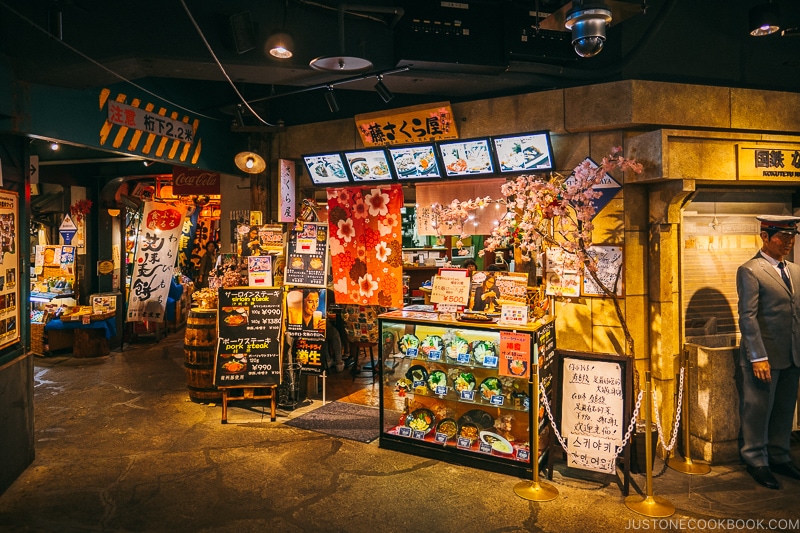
<point>768,163</point>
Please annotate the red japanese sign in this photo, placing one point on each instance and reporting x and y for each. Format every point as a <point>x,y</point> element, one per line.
<point>164,219</point>
<point>515,354</point>
<point>194,181</point>
<point>409,125</point>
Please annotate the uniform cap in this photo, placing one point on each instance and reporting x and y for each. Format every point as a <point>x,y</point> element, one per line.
<point>782,223</point>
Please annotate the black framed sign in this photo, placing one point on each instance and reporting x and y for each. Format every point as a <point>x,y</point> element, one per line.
<point>250,342</point>
<point>523,152</point>
<point>326,169</point>
<point>369,166</point>
<point>415,162</point>
<point>466,158</point>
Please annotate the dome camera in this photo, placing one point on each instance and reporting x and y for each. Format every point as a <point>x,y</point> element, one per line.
<point>588,25</point>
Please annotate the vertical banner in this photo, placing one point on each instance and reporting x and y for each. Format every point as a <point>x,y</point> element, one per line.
<point>186,245</point>
<point>307,255</point>
<point>286,196</point>
<point>366,245</point>
<point>249,346</point>
<point>9,268</point>
<point>159,235</point>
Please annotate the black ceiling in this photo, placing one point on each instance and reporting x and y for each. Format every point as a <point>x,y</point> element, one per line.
<point>156,45</point>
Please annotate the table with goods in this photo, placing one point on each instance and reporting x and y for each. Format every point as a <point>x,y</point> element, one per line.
<point>457,387</point>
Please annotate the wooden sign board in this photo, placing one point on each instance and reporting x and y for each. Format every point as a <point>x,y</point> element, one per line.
<point>774,162</point>
<point>407,125</point>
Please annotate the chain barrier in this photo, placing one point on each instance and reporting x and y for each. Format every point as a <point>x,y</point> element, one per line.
<point>678,413</point>
<point>632,424</point>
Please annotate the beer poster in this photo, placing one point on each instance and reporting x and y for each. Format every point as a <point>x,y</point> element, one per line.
<point>249,344</point>
<point>305,313</point>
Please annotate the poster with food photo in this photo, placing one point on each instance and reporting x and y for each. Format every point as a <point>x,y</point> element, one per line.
<point>307,255</point>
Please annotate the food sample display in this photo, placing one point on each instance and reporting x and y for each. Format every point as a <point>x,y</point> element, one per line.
<point>458,390</point>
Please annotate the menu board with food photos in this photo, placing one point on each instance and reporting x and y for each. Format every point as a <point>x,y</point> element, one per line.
<point>369,165</point>
<point>415,161</point>
<point>249,345</point>
<point>9,267</point>
<point>525,152</point>
<point>466,158</point>
<point>326,169</point>
<point>307,255</point>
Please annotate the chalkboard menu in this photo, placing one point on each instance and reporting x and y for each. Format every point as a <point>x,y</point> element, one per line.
<point>249,346</point>
<point>594,388</point>
<point>307,255</point>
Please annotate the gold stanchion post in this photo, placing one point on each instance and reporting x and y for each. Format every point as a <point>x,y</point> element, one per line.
<point>534,490</point>
<point>685,464</point>
<point>652,506</point>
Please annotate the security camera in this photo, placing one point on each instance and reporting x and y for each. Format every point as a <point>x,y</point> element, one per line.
<point>588,24</point>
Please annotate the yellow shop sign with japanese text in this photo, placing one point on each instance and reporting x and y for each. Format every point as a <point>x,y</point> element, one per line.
<point>773,163</point>
<point>408,125</point>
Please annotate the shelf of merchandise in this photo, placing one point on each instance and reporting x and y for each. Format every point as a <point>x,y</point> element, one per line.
<point>448,380</point>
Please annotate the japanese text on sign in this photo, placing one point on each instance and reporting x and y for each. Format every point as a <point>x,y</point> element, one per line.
<point>768,163</point>
<point>139,119</point>
<point>515,354</point>
<point>450,290</point>
<point>249,347</point>
<point>592,406</point>
<point>406,126</point>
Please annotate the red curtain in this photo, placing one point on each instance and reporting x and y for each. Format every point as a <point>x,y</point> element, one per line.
<point>365,240</point>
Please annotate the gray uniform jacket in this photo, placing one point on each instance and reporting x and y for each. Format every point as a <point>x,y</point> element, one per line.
<point>769,313</point>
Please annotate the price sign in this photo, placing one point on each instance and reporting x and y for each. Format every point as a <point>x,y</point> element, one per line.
<point>249,346</point>
<point>513,315</point>
<point>450,290</point>
<point>515,354</point>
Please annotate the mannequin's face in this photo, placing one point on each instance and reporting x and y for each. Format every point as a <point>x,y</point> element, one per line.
<point>778,246</point>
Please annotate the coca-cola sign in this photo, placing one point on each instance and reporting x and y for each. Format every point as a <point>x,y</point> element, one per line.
<point>194,181</point>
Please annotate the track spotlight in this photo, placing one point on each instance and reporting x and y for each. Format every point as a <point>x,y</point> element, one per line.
<point>239,116</point>
<point>383,91</point>
<point>765,19</point>
<point>333,105</point>
<point>280,45</point>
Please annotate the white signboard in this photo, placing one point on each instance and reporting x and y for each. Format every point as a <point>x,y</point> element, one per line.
<point>286,198</point>
<point>592,413</point>
<point>450,290</point>
<point>156,249</point>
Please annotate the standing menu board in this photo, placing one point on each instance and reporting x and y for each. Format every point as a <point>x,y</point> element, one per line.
<point>249,346</point>
<point>594,389</point>
<point>307,255</point>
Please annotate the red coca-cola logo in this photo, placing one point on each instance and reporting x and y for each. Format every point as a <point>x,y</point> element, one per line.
<point>163,219</point>
<point>203,179</point>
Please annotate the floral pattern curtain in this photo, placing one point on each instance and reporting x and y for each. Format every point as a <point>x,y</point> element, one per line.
<point>366,245</point>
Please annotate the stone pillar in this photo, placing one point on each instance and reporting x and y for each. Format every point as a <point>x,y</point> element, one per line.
<point>664,350</point>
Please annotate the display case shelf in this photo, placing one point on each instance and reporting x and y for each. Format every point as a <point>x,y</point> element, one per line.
<point>455,391</point>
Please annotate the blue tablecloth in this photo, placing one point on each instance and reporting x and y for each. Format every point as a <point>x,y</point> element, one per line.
<point>109,325</point>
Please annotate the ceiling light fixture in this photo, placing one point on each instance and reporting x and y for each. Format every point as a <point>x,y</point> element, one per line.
<point>341,62</point>
<point>330,97</point>
<point>280,45</point>
<point>765,19</point>
<point>54,146</point>
<point>250,162</point>
<point>383,91</point>
<point>588,22</point>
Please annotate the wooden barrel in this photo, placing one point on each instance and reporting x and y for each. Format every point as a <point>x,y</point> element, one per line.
<point>199,347</point>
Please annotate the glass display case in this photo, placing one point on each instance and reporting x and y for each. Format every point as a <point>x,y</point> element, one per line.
<point>460,391</point>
